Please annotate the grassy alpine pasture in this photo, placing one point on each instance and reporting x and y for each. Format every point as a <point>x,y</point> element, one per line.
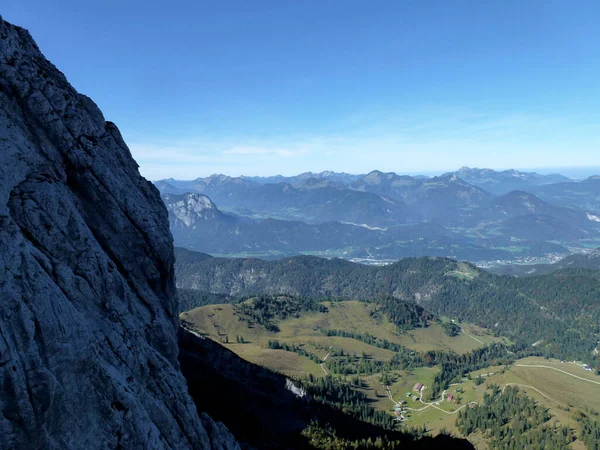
<point>437,414</point>
<point>464,271</point>
<point>222,324</point>
<point>561,393</point>
<point>435,338</point>
<point>564,388</point>
<point>575,389</point>
<point>290,363</point>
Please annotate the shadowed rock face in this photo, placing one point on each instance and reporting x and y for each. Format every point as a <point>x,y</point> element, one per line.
<point>88,313</point>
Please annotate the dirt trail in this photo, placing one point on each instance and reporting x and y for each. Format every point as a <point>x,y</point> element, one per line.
<point>473,337</point>
<point>559,370</point>
<point>535,389</point>
<point>325,359</point>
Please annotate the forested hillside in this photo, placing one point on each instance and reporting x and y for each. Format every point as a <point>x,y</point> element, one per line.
<point>558,312</point>
<point>578,261</point>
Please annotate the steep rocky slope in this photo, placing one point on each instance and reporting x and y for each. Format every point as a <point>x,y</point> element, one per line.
<point>88,324</point>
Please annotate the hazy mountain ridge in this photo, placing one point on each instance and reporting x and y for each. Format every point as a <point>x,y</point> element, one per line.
<point>472,224</point>
<point>446,199</point>
<point>337,177</point>
<point>214,232</point>
<point>307,202</point>
<point>584,194</point>
<point>449,198</point>
<point>522,215</point>
<point>502,182</point>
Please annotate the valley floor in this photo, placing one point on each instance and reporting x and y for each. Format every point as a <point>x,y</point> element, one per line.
<point>562,387</point>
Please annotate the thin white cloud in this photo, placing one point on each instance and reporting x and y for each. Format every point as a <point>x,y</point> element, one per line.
<point>246,151</point>
<point>253,151</point>
<point>433,139</point>
<point>170,154</point>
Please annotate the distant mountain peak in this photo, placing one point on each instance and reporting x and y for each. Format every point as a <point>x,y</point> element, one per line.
<point>452,177</point>
<point>380,172</point>
<point>376,176</point>
<point>328,173</point>
<point>318,182</point>
<point>194,200</point>
<point>501,182</point>
<point>467,169</point>
<point>189,207</point>
<point>219,177</point>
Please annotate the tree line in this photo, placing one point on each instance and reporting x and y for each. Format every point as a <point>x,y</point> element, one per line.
<point>512,420</point>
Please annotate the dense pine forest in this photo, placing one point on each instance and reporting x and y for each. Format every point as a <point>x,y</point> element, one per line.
<point>590,429</point>
<point>512,420</point>
<point>334,392</point>
<point>267,310</point>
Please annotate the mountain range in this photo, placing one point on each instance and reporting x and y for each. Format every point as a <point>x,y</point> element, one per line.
<point>196,223</point>
<point>382,216</point>
<point>502,182</point>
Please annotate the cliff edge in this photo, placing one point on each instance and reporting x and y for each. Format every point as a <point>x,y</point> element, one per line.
<point>88,312</point>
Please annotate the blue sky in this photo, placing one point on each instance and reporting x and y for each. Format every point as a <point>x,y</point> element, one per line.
<point>265,87</point>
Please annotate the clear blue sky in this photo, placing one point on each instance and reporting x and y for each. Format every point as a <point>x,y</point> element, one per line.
<point>265,87</point>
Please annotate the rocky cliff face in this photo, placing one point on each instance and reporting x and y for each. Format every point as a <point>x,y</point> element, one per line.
<point>190,211</point>
<point>88,323</point>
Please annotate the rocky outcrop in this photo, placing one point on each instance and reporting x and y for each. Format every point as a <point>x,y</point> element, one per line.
<point>88,313</point>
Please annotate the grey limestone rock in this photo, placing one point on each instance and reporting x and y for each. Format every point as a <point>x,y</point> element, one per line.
<point>88,311</point>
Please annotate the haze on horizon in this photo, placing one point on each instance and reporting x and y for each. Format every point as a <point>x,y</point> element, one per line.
<point>268,87</point>
<point>572,172</point>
